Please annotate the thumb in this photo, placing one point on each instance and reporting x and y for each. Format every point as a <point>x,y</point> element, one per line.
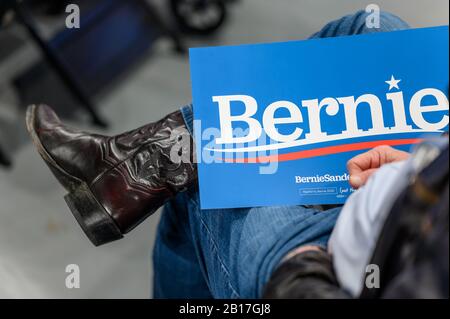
<point>360,179</point>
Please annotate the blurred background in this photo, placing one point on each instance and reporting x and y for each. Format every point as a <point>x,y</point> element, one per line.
<point>127,65</point>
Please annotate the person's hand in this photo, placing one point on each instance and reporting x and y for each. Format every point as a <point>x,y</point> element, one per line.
<point>362,166</point>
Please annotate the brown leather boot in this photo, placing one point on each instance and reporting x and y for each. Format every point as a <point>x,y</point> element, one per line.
<point>114,183</point>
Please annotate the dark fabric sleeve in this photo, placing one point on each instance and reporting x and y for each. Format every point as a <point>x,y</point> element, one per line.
<point>305,276</point>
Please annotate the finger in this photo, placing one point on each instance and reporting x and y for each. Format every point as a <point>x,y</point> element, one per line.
<point>362,162</point>
<point>373,158</point>
<point>387,154</point>
<point>360,179</point>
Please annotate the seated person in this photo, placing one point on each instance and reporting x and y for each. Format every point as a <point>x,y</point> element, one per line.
<point>396,221</point>
<point>115,182</point>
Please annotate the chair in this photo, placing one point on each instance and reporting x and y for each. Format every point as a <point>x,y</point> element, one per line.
<point>4,160</point>
<point>53,51</point>
<point>25,18</point>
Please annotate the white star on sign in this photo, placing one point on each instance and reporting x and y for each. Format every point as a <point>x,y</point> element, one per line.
<point>393,83</point>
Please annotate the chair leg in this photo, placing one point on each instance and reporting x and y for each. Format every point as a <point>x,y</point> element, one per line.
<point>165,29</point>
<point>4,160</point>
<point>57,63</point>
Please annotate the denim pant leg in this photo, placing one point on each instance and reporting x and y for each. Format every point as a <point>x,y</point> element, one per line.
<point>354,24</point>
<point>176,269</point>
<point>238,249</point>
<point>232,253</point>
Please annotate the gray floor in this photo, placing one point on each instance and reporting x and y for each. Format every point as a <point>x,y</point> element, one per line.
<point>39,237</point>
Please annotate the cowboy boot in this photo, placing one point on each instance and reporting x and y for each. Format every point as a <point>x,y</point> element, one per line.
<point>115,182</point>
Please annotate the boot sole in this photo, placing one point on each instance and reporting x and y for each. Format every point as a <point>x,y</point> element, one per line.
<point>96,222</point>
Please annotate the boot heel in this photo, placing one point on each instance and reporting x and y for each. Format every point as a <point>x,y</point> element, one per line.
<point>92,217</point>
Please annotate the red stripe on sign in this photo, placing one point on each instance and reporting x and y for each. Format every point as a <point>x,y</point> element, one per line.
<point>323,151</point>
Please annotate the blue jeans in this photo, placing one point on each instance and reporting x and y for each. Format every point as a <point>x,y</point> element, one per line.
<point>231,253</point>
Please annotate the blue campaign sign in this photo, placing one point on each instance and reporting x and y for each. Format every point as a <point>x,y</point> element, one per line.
<point>276,123</point>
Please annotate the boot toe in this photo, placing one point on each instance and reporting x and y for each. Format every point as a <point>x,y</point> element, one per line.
<point>41,117</point>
